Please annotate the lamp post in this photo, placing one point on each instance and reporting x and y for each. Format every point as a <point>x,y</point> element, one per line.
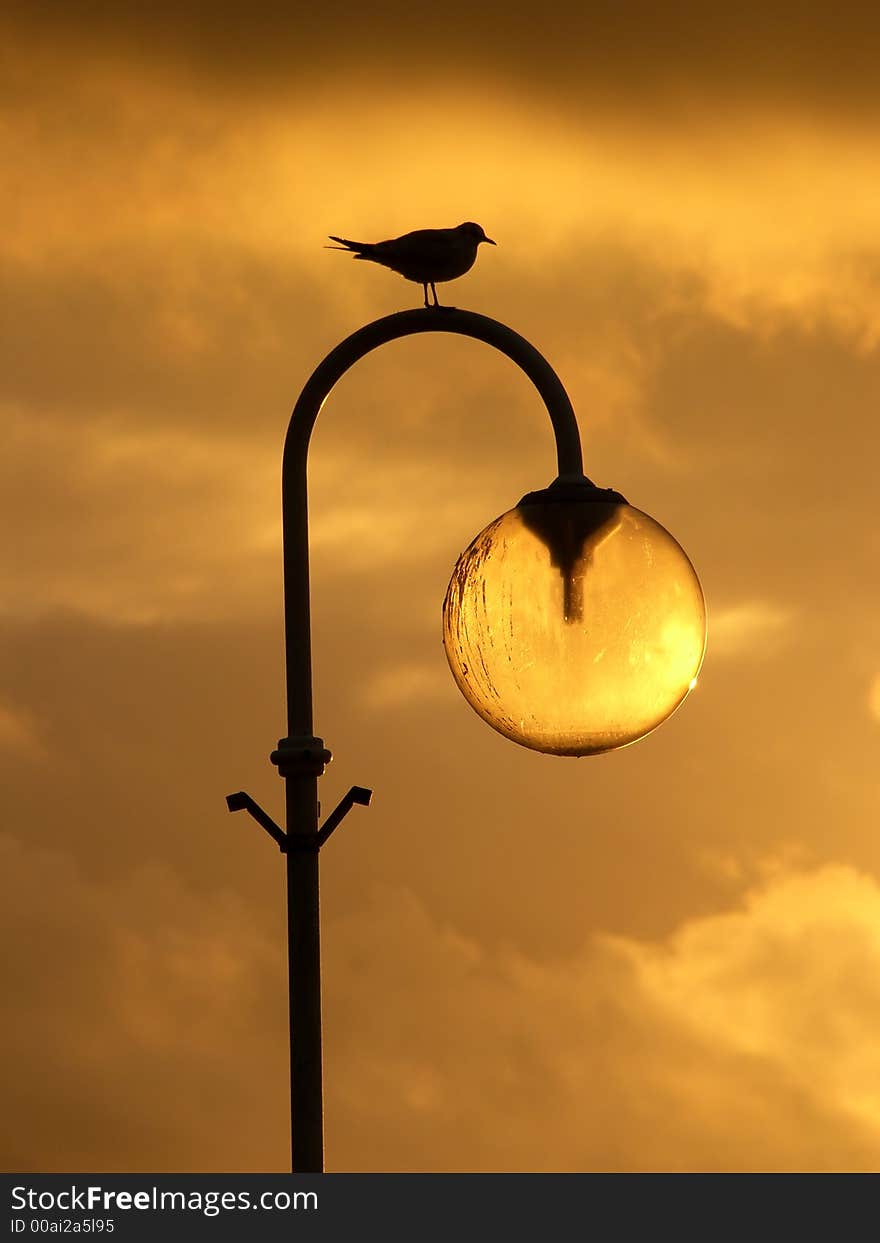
<point>573,624</point>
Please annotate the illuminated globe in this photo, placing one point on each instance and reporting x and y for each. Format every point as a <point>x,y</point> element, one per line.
<point>574,624</point>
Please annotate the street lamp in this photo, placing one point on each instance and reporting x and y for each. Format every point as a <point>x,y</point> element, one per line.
<point>573,624</point>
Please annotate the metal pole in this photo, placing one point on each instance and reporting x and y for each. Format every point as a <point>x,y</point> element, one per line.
<point>300,756</point>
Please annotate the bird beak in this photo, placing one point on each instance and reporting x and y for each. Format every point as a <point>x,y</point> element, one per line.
<point>489,240</point>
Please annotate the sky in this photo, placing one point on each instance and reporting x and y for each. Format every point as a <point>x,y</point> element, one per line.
<point>664,958</point>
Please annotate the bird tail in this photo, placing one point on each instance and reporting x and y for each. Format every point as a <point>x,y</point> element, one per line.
<point>361,249</point>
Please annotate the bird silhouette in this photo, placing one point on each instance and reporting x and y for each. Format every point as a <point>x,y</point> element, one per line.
<point>427,256</point>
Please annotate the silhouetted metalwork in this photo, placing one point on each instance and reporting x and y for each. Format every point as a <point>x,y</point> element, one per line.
<point>244,802</point>
<point>301,757</point>
<point>569,530</point>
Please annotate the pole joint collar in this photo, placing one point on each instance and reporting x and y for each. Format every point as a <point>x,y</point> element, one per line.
<point>301,757</point>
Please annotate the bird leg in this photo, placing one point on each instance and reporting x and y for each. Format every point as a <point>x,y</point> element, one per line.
<point>425,287</point>
<point>434,292</point>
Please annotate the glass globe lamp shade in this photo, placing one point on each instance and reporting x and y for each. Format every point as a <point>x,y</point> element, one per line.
<point>574,624</point>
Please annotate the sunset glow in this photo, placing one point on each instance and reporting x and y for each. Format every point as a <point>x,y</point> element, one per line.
<point>665,958</point>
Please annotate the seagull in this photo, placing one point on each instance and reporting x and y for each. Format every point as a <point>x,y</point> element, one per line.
<point>425,256</point>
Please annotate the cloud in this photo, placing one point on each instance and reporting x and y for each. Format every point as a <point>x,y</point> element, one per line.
<point>789,980</point>
<point>597,57</point>
<point>150,1031</point>
<point>402,684</point>
<point>671,236</point>
<point>755,627</point>
<point>129,999</point>
<point>148,506</point>
<point>136,158</point>
<point>19,732</point>
<point>743,1041</point>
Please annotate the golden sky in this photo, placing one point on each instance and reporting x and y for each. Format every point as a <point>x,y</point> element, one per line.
<point>666,958</point>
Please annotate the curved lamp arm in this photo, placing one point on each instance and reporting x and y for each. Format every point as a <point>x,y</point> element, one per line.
<point>301,757</point>
<point>296,447</point>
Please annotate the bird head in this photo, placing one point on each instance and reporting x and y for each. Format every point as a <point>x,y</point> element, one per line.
<point>475,233</point>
